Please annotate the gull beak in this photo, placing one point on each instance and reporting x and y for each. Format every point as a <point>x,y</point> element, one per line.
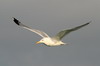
<point>38,42</point>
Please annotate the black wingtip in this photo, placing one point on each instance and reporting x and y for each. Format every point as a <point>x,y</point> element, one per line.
<point>16,21</point>
<point>89,22</point>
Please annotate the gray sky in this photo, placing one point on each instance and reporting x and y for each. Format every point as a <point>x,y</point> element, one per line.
<point>17,46</point>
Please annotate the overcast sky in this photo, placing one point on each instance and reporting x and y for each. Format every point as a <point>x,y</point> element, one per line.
<point>17,45</point>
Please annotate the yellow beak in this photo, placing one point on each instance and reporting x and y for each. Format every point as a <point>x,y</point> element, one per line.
<point>38,42</point>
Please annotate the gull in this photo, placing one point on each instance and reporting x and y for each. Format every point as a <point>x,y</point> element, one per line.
<point>47,40</point>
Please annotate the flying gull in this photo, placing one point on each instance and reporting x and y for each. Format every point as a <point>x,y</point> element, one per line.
<point>47,40</point>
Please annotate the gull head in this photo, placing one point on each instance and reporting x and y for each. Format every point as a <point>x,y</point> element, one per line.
<point>41,41</point>
<point>44,41</point>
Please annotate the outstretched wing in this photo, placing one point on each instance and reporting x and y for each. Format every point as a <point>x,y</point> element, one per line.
<point>41,33</point>
<point>63,33</point>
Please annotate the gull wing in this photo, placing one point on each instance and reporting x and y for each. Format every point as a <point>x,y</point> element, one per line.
<point>41,33</point>
<point>63,33</point>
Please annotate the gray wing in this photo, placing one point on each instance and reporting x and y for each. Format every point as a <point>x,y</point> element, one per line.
<point>41,33</point>
<point>63,33</point>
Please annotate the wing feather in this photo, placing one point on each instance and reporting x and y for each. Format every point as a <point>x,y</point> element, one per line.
<point>41,33</point>
<point>63,33</point>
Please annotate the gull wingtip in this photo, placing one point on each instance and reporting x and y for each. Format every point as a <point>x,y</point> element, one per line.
<point>16,21</point>
<point>90,21</point>
<point>14,18</point>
